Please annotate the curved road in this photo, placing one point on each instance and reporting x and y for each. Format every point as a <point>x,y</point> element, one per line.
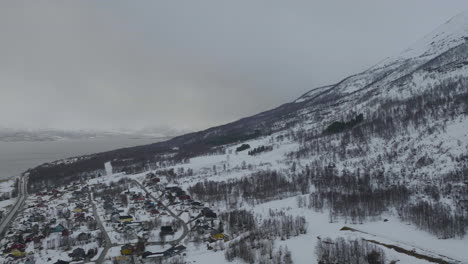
<point>10,216</point>
<point>184,225</point>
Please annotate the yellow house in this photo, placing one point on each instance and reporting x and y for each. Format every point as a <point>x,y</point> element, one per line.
<point>17,254</point>
<point>125,218</point>
<point>127,250</point>
<point>77,210</point>
<point>219,236</point>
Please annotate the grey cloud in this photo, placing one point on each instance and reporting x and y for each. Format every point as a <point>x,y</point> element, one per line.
<point>188,64</point>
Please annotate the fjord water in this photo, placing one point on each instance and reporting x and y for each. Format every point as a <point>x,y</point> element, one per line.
<point>17,157</point>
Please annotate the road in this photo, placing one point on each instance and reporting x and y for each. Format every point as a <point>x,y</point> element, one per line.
<point>108,242</point>
<point>184,225</point>
<point>20,200</point>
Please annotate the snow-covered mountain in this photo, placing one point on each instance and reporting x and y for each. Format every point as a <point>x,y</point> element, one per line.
<point>390,142</point>
<point>451,36</point>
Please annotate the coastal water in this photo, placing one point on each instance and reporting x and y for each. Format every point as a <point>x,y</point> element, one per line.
<point>17,157</point>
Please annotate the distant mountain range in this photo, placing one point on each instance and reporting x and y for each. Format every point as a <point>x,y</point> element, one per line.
<point>33,135</point>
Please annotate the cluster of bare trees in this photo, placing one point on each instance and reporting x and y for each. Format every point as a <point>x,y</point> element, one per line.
<point>256,241</point>
<point>259,187</point>
<point>284,226</point>
<point>251,250</point>
<point>355,196</point>
<point>358,206</point>
<point>238,221</point>
<point>343,250</point>
<point>278,224</point>
<point>437,218</point>
<point>258,150</point>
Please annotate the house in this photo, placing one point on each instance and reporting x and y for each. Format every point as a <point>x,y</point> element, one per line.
<point>17,254</point>
<point>18,246</point>
<point>125,218</point>
<point>150,206</point>
<point>174,251</point>
<point>184,197</point>
<point>132,210</point>
<point>154,212</point>
<point>208,213</point>
<point>149,203</point>
<point>92,252</point>
<point>219,236</point>
<point>29,238</point>
<point>83,237</point>
<point>77,210</point>
<point>127,250</point>
<point>156,180</point>
<point>115,217</point>
<point>37,218</point>
<point>173,189</point>
<point>57,229</point>
<point>109,211</point>
<point>65,232</point>
<point>108,205</point>
<point>78,254</point>
<point>197,205</point>
<point>80,217</point>
<point>61,262</point>
<point>37,240</point>
<point>167,230</point>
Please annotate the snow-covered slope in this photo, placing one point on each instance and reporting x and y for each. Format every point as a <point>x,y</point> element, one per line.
<point>449,35</point>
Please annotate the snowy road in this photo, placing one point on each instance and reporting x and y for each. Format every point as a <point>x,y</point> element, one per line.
<point>22,195</point>
<point>407,249</point>
<point>108,241</point>
<point>184,225</point>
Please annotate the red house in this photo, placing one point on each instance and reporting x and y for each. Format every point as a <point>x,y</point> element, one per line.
<point>184,197</point>
<point>154,212</point>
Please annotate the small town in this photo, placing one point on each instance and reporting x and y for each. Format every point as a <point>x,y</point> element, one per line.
<point>136,219</point>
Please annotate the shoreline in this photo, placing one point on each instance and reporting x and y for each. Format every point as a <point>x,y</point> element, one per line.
<point>17,157</point>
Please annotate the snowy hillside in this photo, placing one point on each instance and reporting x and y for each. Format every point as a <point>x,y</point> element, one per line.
<point>372,167</point>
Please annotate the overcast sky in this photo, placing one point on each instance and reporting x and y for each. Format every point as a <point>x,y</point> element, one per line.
<point>189,64</point>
